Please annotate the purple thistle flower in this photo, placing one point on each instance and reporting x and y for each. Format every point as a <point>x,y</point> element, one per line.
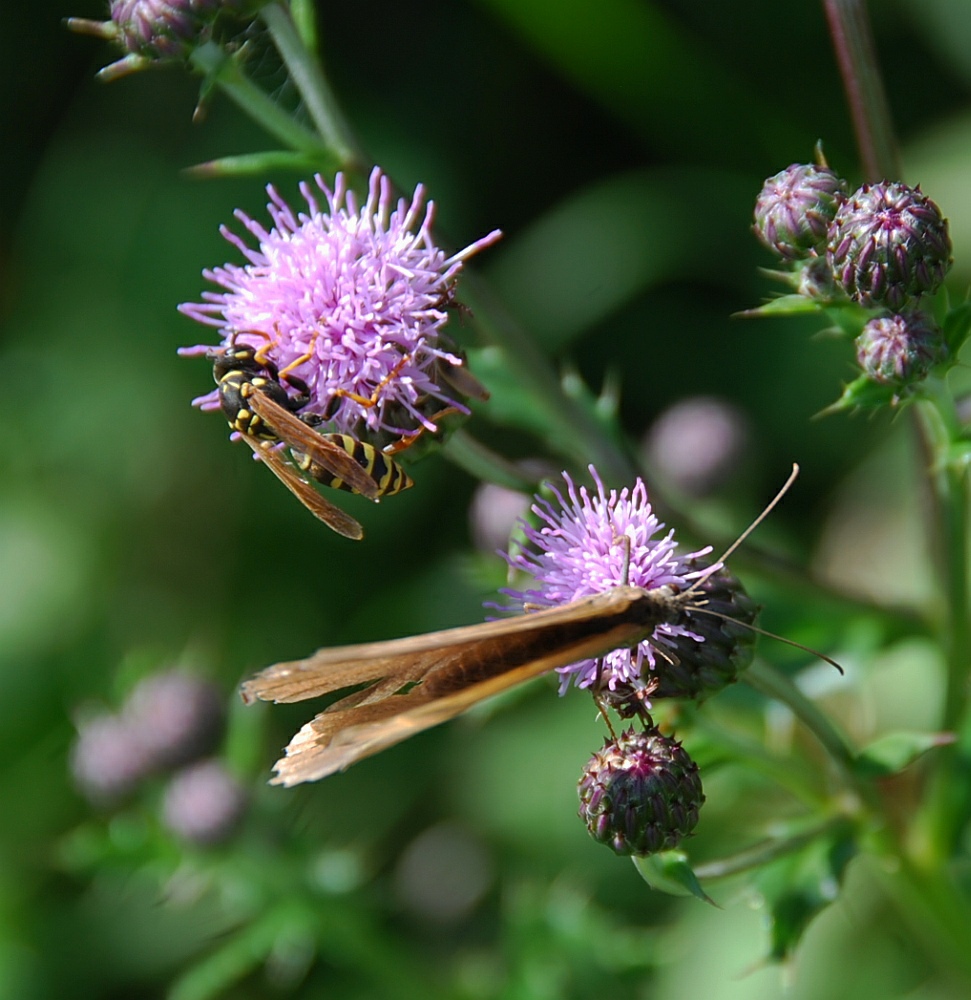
<point>578,553</point>
<point>348,299</point>
<point>204,803</point>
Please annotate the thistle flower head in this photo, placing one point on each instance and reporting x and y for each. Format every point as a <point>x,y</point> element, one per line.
<point>888,244</point>
<point>153,31</point>
<point>641,793</point>
<point>578,550</point>
<point>108,760</point>
<point>348,299</point>
<point>895,350</point>
<point>795,208</point>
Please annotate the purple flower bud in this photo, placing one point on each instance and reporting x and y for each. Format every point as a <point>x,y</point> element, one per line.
<point>888,244</point>
<point>153,31</point>
<point>795,208</point>
<point>108,759</point>
<point>895,350</point>
<point>178,717</point>
<point>203,803</point>
<point>641,793</point>
<point>697,443</point>
<point>350,300</point>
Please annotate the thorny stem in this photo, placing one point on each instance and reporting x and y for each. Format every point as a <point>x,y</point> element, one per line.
<point>849,27</point>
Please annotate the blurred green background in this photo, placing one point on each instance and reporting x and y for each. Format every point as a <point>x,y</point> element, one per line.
<point>620,147</point>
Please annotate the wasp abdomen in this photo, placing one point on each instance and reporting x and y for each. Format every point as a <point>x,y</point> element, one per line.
<point>384,470</point>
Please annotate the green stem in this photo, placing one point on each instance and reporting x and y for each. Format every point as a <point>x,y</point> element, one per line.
<point>948,801</point>
<point>580,437</point>
<point>307,76</point>
<point>225,73</point>
<point>770,682</point>
<point>770,850</point>
<point>849,27</point>
<point>483,463</point>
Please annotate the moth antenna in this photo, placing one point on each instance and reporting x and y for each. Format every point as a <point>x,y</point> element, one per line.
<point>718,563</point>
<point>624,541</point>
<point>771,635</point>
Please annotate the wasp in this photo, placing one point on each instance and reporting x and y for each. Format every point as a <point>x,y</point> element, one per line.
<point>258,407</point>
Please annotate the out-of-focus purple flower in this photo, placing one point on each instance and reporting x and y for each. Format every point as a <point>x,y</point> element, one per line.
<point>577,551</point>
<point>177,716</point>
<point>895,350</point>
<point>108,760</point>
<point>795,207</point>
<point>153,31</point>
<point>697,443</point>
<point>203,803</point>
<point>889,244</point>
<point>349,299</point>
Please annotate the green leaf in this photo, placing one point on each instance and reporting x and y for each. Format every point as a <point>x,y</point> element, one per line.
<point>669,871</point>
<point>957,327</point>
<point>799,886</point>
<point>784,305</point>
<point>892,753</point>
<point>258,164</point>
<point>863,394</point>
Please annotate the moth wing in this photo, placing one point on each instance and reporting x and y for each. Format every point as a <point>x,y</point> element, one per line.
<point>303,438</point>
<point>333,740</point>
<point>444,673</point>
<point>319,506</point>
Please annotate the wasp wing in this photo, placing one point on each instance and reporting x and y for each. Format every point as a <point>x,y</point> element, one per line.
<point>303,438</point>
<point>419,682</point>
<point>320,507</point>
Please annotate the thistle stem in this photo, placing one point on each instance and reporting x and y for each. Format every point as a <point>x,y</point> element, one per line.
<point>307,75</point>
<point>761,854</point>
<point>948,801</point>
<point>213,63</point>
<point>849,27</point>
<point>770,682</point>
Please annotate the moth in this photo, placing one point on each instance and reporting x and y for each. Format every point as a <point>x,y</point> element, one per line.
<point>419,682</point>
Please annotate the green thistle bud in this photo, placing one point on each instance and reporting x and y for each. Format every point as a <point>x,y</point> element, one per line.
<point>887,244</point>
<point>641,793</point>
<point>794,209</point>
<point>895,350</point>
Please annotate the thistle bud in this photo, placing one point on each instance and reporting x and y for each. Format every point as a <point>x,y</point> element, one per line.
<point>641,793</point>
<point>153,31</point>
<point>887,244</point>
<point>795,208</point>
<point>203,803</point>
<point>710,657</point>
<point>108,760</point>
<point>178,717</point>
<point>895,350</point>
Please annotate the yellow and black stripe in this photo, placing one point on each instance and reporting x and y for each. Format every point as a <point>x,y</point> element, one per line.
<point>390,477</point>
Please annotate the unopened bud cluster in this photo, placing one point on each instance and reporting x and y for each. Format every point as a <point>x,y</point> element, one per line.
<point>883,247</point>
<point>154,31</point>
<point>641,793</point>
<point>171,722</point>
